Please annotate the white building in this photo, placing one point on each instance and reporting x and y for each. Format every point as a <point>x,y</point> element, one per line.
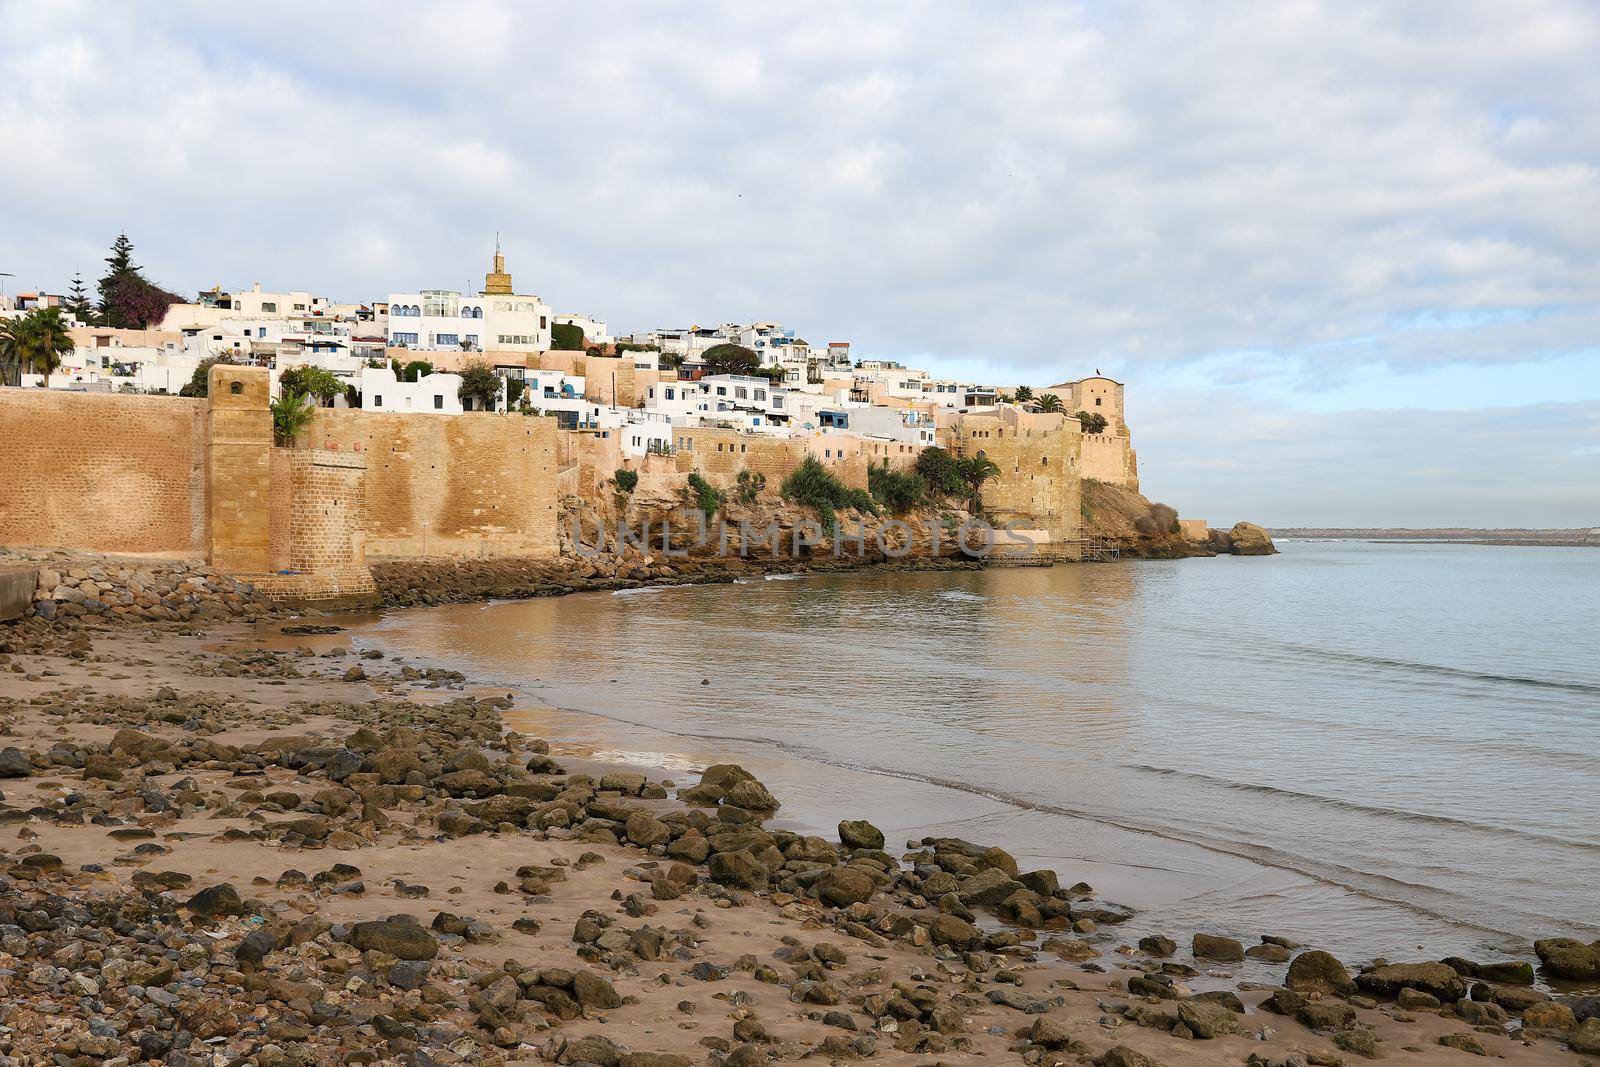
<point>497,319</point>
<point>432,394</point>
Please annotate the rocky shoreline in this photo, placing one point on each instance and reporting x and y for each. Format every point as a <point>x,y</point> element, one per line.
<point>260,846</point>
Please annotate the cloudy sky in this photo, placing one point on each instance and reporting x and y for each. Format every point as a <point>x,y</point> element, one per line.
<point>1346,255</point>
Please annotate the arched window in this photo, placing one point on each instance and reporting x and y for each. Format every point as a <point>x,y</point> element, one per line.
<point>466,313</point>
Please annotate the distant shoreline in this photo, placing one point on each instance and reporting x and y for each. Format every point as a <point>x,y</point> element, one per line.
<point>1570,538</point>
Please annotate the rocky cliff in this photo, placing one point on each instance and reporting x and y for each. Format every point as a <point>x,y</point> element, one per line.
<point>1122,518</point>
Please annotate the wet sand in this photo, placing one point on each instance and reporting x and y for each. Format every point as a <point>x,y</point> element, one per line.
<point>666,1009</point>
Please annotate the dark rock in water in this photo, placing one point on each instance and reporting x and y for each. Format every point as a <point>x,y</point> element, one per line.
<point>1318,971</point>
<point>1584,1007</point>
<point>859,833</point>
<point>1436,978</point>
<point>1248,539</point>
<point>1586,1038</point>
<point>399,939</point>
<point>1212,947</point>
<point>1567,957</point>
<point>14,763</point>
<point>1268,953</point>
<point>215,901</point>
<point>1157,945</point>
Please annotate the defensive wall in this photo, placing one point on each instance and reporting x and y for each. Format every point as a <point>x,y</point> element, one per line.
<point>202,478</point>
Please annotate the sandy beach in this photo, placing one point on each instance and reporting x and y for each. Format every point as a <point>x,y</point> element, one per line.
<point>410,883</point>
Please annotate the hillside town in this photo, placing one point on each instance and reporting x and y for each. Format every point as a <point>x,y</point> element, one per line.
<point>435,351</point>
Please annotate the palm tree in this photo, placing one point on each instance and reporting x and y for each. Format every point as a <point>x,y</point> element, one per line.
<point>975,472</point>
<point>34,344</point>
<point>1024,394</point>
<point>1050,402</point>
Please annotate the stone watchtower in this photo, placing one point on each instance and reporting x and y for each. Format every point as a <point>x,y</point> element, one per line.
<point>239,457</point>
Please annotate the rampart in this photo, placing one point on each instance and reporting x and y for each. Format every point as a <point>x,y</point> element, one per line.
<point>103,472</point>
<point>182,478</point>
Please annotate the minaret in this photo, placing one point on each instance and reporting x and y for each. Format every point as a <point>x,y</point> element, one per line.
<point>497,282</point>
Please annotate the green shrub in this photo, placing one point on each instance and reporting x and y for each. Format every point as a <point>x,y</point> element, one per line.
<point>200,381</point>
<point>514,388</point>
<point>480,384</point>
<point>708,498</point>
<point>416,370</point>
<point>730,359</point>
<point>1091,421</point>
<point>627,480</point>
<point>941,471</point>
<point>815,486</point>
<point>750,485</point>
<point>899,491</point>
<point>291,412</point>
<point>566,337</point>
<point>312,382</point>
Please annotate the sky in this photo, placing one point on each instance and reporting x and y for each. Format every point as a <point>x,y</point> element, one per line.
<point>1345,255</point>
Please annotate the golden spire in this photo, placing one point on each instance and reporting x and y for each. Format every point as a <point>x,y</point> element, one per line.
<point>497,282</point>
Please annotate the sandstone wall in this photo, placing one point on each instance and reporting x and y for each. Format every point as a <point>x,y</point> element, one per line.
<point>450,485</point>
<point>1039,481</point>
<point>103,472</point>
<point>1109,457</point>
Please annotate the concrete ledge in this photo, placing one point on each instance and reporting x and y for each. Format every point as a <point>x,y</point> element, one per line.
<point>16,591</point>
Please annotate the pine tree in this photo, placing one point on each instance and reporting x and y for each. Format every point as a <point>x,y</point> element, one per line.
<point>78,300</point>
<point>119,265</point>
<point>129,300</point>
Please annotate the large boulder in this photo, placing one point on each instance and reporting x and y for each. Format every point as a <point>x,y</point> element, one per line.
<point>843,886</point>
<point>738,869</point>
<point>1207,1020</point>
<point>1251,540</point>
<point>14,763</point>
<point>216,901</point>
<point>1439,979</point>
<point>1569,958</point>
<point>859,833</point>
<point>1320,972</point>
<point>1212,947</point>
<point>401,940</point>
<point>955,932</point>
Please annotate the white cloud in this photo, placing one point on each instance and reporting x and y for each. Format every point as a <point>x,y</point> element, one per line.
<point>1022,192</point>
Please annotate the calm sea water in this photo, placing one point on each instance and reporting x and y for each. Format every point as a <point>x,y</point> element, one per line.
<point>1378,749</point>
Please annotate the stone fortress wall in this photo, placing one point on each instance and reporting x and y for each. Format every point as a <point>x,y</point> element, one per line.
<point>103,472</point>
<point>181,478</point>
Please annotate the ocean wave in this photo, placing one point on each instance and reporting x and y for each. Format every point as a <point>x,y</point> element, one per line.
<point>1368,809</point>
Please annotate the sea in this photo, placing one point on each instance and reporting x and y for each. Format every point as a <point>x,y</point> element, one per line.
<point>1384,750</point>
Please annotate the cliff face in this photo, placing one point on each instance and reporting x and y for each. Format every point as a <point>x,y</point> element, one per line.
<point>765,524</point>
<point>1123,519</point>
